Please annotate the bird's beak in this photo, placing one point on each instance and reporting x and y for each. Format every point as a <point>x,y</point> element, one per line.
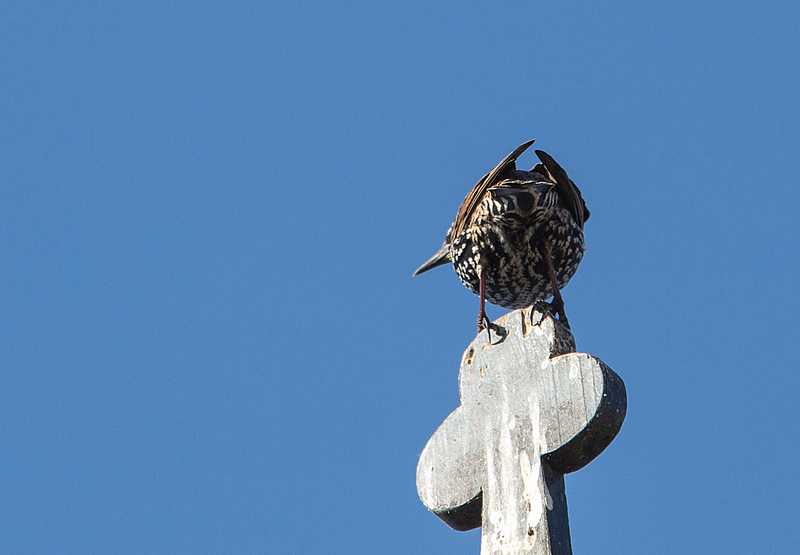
<point>441,257</point>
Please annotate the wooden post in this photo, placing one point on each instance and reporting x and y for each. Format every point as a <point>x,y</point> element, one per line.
<point>531,411</point>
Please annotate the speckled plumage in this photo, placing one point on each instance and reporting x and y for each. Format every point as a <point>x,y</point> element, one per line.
<point>508,224</point>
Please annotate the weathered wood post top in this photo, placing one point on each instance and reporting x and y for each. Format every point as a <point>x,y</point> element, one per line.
<point>531,411</point>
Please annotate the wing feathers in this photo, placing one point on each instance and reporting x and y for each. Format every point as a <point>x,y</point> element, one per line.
<point>567,191</point>
<point>476,194</point>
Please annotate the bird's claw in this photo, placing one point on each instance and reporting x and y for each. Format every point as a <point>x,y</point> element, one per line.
<point>485,324</point>
<point>555,308</point>
<point>539,307</point>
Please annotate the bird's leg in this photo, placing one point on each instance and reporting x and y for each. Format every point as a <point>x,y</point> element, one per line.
<point>558,302</point>
<point>557,306</point>
<point>483,320</point>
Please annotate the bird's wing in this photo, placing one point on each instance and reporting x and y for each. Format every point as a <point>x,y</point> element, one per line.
<point>476,194</point>
<point>567,191</point>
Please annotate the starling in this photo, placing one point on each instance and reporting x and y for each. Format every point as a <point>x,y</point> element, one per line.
<point>518,237</point>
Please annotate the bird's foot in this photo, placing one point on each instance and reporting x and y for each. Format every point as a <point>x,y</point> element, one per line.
<point>485,324</point>
<point>555,308</point>
<point>541,308</point>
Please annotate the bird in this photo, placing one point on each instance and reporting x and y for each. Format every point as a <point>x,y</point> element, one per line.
<point>517,238</point>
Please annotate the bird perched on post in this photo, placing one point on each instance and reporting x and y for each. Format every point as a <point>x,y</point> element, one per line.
<point>518,237</point>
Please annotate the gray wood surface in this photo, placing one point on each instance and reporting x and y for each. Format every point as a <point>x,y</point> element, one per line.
<point>531,411</point>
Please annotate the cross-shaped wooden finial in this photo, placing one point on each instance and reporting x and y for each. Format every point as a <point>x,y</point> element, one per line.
<point>531,411</point>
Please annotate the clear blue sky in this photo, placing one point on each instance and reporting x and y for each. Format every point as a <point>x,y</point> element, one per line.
<point>211,341</point>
